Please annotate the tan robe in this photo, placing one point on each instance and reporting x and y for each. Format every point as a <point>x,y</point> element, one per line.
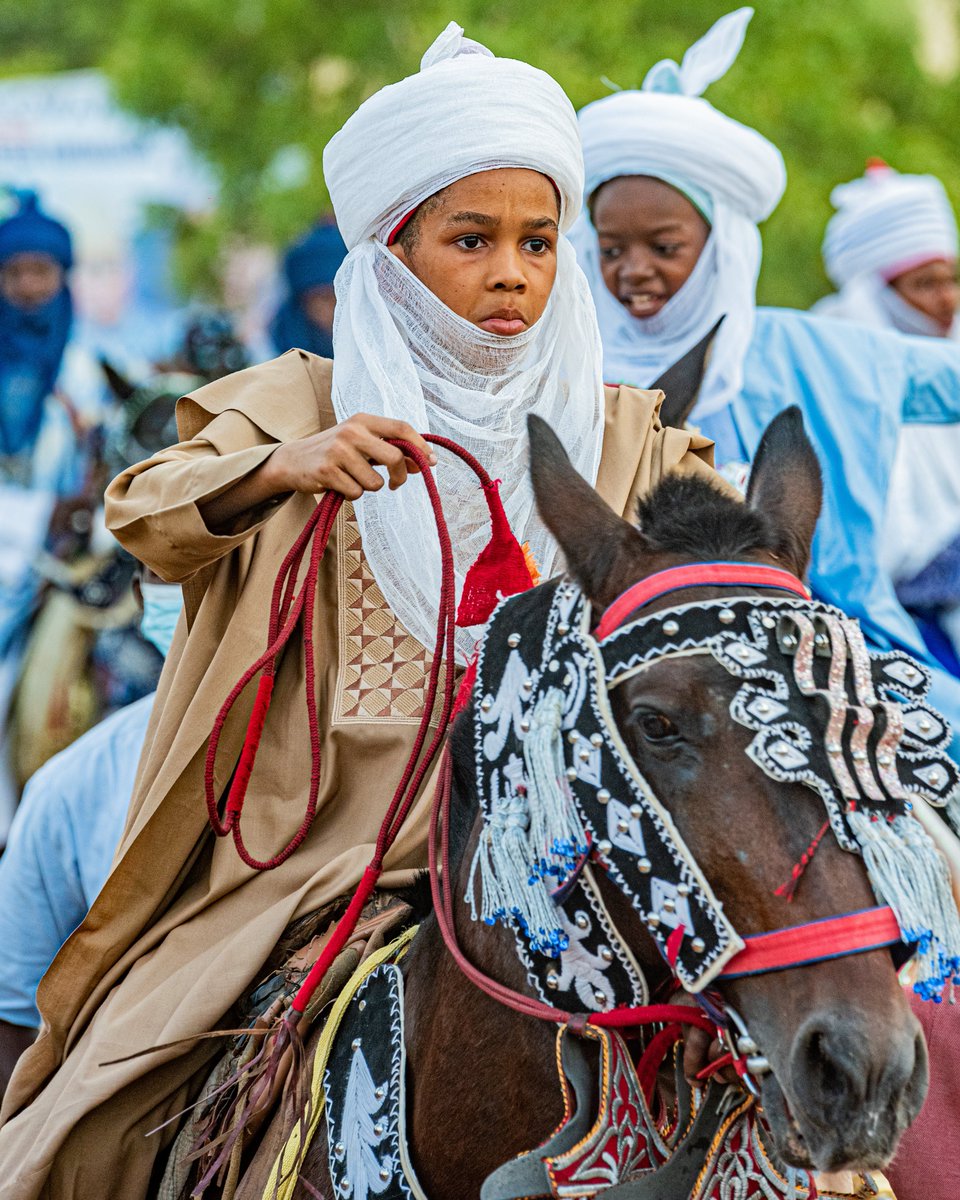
<point>182,928</point>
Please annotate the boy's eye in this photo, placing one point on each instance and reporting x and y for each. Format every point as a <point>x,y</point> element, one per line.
<point>470,241</point>
<point>609,252</point>
<point>668,249</point>
<point>538,245</point>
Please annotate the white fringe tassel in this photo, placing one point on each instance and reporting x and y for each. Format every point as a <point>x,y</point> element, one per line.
<point>532,836</point>
<point>908,873</point>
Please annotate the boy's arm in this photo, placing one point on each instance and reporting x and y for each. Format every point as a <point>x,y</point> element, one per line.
<point>189,505</point>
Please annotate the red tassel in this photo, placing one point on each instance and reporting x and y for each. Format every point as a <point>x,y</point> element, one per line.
<point>501,568</point>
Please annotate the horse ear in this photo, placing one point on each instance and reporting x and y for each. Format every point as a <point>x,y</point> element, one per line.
<point>680,383</point>
<point>786,486</point>
<point>597,543</point>
<point>121,387</point>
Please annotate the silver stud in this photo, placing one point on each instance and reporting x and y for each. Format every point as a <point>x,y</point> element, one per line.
<point>671,628</point>
<point>763,708</point>
<point>486,704</point>
<point>513,640</point>
<point>669,906</point>
<point>683,889</point>
<point>527,685</point>
<point>925,726</point>
<point>698,945</point>
<point>884,760</point>
<point>623,826</point>
<point>584,755</point>
<point>355,1044</point>
<point>567,680</point>
<point>834,747</point>
<point>339,1150</point>
<point>768,622</point>
<point>936,778</point>
<point>596,739</point>
<point>582,920</point>
<point>553,980</point>
<point>554,665</point>
<point>644,866</point>
<point>603,796</point>
<point>571,773</point>
<point>821,640</point>
<point>378,1129</point>
<point>525,725</point>
<point>362,1005</point>
<point>573,737</point>
<point>346,1187</point>
<point>636,811</point>
<point>789,642</point>
<point>385,1173</point>
<point>606,954</point>
<point>379,1093</point>
<point>726,616</point>
<point>600,999</point>
<point>653,921</point>
<point>859,755</point>
<point>604,847</point>
<point>910,673</point>
<point>563,629</point>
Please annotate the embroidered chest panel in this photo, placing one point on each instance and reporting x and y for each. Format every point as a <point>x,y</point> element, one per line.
<point>383,668</point>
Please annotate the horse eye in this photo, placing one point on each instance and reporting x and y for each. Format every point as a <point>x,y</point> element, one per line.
<point>655,727</point>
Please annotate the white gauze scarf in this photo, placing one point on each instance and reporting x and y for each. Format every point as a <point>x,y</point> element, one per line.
<point>667,131</point>
<point>399,352</point>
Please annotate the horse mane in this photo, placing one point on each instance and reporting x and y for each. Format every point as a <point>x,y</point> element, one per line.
<point>691,516</point>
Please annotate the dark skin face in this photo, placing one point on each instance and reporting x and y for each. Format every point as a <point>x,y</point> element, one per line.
<point>29,280</point>
<point>932,289</point>
<point>486,246</point>
<point>319,304</point>
<point>650,240</point>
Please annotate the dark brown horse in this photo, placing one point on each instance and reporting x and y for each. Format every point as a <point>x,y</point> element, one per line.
<point>848,1065</point>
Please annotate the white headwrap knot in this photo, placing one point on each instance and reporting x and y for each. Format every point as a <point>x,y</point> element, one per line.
<point>464,111</point>
<point>886,223</point>
<point>399,352</point>
<point>667,131</point>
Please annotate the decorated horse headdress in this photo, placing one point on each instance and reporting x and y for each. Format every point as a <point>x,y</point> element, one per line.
<point>557,780</point>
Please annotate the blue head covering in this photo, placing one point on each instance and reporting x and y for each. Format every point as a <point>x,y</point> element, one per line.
<point>311,262</point>
<point>32,341</point>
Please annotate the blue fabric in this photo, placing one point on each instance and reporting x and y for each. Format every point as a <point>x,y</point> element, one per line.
<point>855,386</point>
<point>32,343</point>
<point>60,851</point>
<point>31,231</point>
<point>314,260</point>
<point>309,263</point>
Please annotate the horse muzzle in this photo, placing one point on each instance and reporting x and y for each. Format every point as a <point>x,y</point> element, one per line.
<point>848,1092</point>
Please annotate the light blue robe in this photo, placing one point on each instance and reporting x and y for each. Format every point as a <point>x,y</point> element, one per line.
<point>854,386</point>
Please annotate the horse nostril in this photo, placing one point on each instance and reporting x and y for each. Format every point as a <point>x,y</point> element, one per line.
<point>826,1066</point>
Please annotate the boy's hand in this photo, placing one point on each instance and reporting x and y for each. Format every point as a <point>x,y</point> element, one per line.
<point>341,459</point>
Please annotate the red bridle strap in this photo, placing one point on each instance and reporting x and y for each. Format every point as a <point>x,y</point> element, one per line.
<point>816,941</point>
<point>709,574</point>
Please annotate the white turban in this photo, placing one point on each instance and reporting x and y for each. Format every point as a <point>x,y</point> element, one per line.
<point>731,172</point>
<point>885,224</point>
<point>400,352</point>
<point>464,111</point>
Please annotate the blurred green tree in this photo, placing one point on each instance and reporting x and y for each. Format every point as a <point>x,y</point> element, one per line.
<point>261,85</point>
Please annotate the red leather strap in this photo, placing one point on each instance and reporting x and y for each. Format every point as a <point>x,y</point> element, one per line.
<point>718,574</point>
<point>800,945</point>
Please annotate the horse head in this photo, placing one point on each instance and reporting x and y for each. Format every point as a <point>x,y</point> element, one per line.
<point>695,740</point>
